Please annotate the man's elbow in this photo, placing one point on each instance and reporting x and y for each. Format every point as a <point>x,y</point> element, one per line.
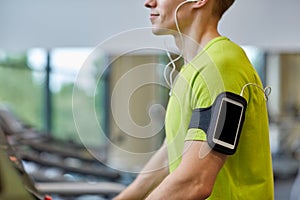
<point>196,186</point>
<point>197,190</point>
<point>203,191</point>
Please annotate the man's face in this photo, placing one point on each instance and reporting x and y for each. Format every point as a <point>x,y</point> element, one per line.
<point>162,15</point>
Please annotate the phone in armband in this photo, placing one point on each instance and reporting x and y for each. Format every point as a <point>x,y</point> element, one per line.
<point>222,122</point>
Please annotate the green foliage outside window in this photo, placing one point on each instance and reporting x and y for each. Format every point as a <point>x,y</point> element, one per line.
<point>19,92</point>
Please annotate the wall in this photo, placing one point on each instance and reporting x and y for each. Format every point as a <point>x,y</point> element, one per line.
<point>136,110</point>
<point>269,24</point>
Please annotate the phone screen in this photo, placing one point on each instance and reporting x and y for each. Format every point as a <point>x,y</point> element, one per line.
<point>228,122</point>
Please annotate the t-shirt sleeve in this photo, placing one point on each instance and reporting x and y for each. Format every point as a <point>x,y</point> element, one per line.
<point>205,89</point>
<point>195,134</point>
<point>201,97</point>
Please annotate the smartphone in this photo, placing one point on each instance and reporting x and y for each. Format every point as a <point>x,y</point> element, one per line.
<point>229,121</point>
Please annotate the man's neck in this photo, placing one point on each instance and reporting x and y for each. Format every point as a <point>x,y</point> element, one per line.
<point>196,38</point>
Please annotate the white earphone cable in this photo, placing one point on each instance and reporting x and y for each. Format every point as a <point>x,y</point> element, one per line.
<point>172,61</point>
<point>267,90</point>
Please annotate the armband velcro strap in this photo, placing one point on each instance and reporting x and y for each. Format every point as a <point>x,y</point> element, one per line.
<point>200,118</point>
<point>222,122</point>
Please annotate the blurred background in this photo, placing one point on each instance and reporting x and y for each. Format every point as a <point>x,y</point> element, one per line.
<point>65,70</point>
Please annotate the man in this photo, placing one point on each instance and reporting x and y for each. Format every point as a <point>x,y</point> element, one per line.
<point>215,65</point>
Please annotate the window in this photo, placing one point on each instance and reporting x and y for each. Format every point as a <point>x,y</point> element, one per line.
<point>21,88</point>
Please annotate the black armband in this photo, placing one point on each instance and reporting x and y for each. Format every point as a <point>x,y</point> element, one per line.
<point>222,122</point>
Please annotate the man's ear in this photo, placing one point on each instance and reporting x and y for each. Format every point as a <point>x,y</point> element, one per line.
<point>200,3</point>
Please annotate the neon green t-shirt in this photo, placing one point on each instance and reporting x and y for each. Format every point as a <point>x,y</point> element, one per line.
<point>223,66</point>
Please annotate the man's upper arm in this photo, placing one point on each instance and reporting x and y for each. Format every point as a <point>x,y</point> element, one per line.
<point>201,164</point>
<point>201,156</point>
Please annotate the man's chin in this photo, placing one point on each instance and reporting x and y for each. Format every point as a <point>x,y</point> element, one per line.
<point>162,31</point>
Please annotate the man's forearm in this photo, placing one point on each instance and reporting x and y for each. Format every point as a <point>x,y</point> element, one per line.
<point>143,185</point>
<point>177,186</point>
<point>195,176</point>
<point>149,178</point>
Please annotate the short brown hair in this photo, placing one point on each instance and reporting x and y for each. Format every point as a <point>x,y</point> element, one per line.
<point>220,7</point>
